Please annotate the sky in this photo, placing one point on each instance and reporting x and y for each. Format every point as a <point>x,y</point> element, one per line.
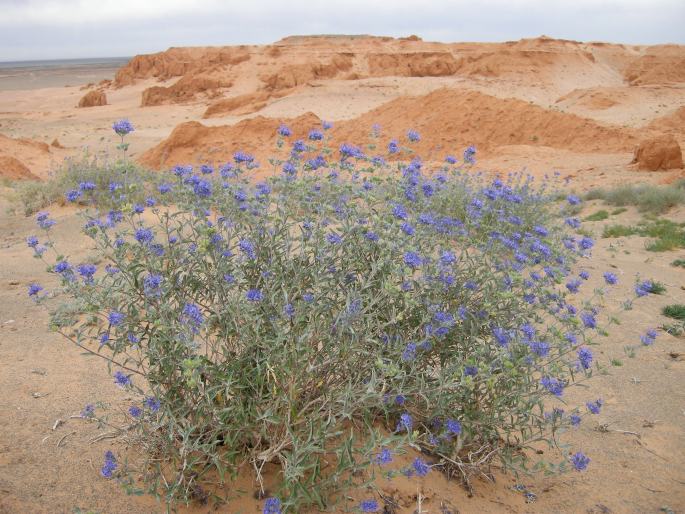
<point>60,29</point>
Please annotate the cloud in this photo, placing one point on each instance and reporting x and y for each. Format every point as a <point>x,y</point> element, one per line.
<point>39,29</point>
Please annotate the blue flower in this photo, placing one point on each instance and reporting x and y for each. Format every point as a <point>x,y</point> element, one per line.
<point>121,379</point>
<point>393,147</point>
<point>409,352</point>
<point>239,157</point>
<point>586,243</point>
<point>110,465</point>
<point>123,127</point>
<point>644,288</point>
<point>584,275</point>
<point>254,295</point>
<point>453,426</point>
<point>501,336</point>
<point>308,297</point>
<point>574,419</point>
<point>207,169</point>
<point>573,285</point>
<point>573,200</point>
<point>144,235</point>
<point>44,221</point>
<point>413,136</point>
<point>405,423</point>
<point>585,357</point>
<point>152,403</point>
<point>192,316</point>
<point>470,371</point>
<point>289,310</point>
<point>152,284</point>
<point>203,188</point>
<point>369,506</point>
<point>135,411</point>
<point>73,195</point>
<point>553,385</point>
<point>299,146</point>
<point>327,125</point>
<point>595,407</point>
<point>420,467</point>
<point>315,135</point>
<point>580,461</point>
<point>610,278</point>
<point>384,457</point>
<point>347,150</point>
<point>115,318</point>
<point>289,169</point>
<point>34,289</point>
<point>412,259</point>
<point>88,411</point>
<point>86,271</point>
<point>247,248</point>
<point>284,131</point>
<point>272,506</point>
<point>469,155</point>
<point>32,241</point>
<point>450,159</point>
<point>588,320</point>
<point>334,239</point>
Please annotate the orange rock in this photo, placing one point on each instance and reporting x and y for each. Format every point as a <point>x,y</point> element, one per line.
<point>412,64</point>
<point>658,153</point>
<point>14,169</point>
<point>93,98</point>
<point>185,90</point>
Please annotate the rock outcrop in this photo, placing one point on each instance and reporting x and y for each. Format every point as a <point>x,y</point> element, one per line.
<point>94,98</point>
<point>658,153</point>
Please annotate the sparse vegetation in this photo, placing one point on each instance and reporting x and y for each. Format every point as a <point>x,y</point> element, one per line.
<point>600,215</point>
<point>678,263</point>
<point>108,177</point>
<point>647,198</point>
<point>675,311</point>
<point>667,234</point>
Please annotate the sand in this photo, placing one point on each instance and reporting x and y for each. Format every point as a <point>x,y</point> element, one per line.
<point>541,105</point>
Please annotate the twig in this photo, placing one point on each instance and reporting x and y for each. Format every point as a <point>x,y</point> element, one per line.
<point>59,443</point>
<point>108,435</point>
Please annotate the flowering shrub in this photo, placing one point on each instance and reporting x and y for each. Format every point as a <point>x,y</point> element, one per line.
<point>331,316</point>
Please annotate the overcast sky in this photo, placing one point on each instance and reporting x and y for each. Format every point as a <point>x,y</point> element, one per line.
<point>53,29</point>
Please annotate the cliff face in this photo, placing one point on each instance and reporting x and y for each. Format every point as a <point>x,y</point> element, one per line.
<point>203,73</point>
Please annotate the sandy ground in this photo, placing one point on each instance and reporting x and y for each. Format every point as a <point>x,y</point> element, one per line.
<point>636,443</point>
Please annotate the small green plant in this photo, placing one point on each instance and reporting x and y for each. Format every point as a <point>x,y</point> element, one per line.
<point>598,216</point>
<point>667,234</point>
<point>646,197</point>
<point>678,263</point>
<point>109,178</point>
<point>616,362</point>
<point>619,231</point>
<point>675,311</point>
<point>674,329</point>
<point>618,211</point>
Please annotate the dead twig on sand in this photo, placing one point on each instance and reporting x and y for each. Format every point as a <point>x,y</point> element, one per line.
<point>59,443</point>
